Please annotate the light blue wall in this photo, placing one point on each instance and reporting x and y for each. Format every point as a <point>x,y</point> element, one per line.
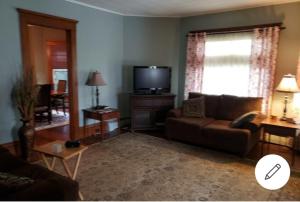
<point>289,43</point>
<point>112,44</point>
<point>99,47</point>
<point>149,41</point>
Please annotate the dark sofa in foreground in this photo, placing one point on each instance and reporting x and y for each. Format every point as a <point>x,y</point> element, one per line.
<point>214,130</point>
<point>46,185</point>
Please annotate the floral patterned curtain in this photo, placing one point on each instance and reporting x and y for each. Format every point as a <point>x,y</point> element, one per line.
<point>262,64</point>
<point>194,63</point>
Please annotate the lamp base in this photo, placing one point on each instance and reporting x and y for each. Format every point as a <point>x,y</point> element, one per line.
<point>100,107</point>
<point>283,119</point>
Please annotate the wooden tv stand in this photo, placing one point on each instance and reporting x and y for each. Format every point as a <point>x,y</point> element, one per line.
<point>149,112</point>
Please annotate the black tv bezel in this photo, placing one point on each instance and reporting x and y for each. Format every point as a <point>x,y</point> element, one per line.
<point>163,90</point>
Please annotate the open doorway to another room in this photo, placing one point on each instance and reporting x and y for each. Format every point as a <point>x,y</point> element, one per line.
<point>48,55</point>
<point>49,51</point>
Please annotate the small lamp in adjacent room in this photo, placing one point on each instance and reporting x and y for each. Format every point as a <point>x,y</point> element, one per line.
<point>96,79</point>
<point>288,84</point>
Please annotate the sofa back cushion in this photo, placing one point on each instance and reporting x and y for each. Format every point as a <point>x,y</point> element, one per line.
<point>194,108</point>
<point>231,107</point>
<point>193,95</point>
<point>211,103</point>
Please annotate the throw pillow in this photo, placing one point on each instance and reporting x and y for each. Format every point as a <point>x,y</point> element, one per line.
<point>194,108</point>
<point>11,183</point>
<point>243,119</point>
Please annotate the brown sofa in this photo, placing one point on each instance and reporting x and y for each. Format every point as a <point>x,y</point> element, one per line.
<point>47,185</point>
<point>214,130</point>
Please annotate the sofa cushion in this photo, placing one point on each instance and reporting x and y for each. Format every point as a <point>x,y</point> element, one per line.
<point>231,107</point>
<point>187,129</point>
<point>244,119</point>
<point>219,134</point>
<point>10,183</point>
<point>193,95</point>
<point>211,103</point>
<point>46,183</point>
<point>194,108</point>
<point>174,113</point>
<point>11,161</point>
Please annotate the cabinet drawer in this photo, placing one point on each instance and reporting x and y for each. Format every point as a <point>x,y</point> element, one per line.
<point>280,131</point>
<point>112,115</point>
<point>143,103</point>
<point>150,102</point>
<point>168,102</point>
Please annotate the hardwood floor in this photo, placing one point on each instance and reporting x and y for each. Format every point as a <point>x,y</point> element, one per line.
<point>52,134</point>
<point>62,133</point>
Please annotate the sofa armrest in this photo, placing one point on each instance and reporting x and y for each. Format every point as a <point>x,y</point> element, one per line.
<point>255,124</point>
<point>252,126</point>
<point>51,189</point>
<point>174,113</point>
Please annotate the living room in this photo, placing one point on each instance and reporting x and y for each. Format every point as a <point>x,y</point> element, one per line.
<point>113,38</point>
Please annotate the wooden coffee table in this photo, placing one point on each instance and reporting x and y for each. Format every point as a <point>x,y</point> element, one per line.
<point>67,153</point>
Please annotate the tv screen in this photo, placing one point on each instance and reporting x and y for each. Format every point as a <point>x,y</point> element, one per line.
<point>152,77</point>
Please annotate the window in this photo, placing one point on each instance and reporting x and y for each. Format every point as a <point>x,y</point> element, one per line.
<point>59,74</point>
<point>227,64</point>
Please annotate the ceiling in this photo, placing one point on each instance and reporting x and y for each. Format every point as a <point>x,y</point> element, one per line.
<point>173,8</point>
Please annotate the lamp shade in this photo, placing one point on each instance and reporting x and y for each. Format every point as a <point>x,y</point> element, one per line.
<point>96,79</point>
<point>288,84</point>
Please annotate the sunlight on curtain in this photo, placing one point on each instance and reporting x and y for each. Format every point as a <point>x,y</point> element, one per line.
<point>227,64</point>
<point>296,100</point>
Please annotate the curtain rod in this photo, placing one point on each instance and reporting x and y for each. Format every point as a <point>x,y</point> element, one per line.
<point>236,29</point>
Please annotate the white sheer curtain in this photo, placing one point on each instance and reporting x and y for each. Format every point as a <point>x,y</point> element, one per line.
<point>227,64</point>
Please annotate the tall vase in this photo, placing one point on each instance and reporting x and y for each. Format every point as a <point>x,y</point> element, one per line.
<point>26,137</point>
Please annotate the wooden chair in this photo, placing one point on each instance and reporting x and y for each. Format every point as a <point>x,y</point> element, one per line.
<point>43,104</point>
<point>62,86</point>
<point>59,99</point>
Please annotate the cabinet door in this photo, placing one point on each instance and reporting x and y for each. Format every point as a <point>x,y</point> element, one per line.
<point>144,119</point>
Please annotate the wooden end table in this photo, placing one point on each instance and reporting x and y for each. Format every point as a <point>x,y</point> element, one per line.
<point>282,129</point>
<point>101,115</point>
<point>67,153</point>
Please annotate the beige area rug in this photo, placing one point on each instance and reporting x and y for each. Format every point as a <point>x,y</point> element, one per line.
<point>142,167</point>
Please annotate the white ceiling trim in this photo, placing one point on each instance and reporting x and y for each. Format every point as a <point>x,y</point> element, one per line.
<point>94,7</point>
<point>114,12</point>
<point>278,2</point>
<point>182,16</point>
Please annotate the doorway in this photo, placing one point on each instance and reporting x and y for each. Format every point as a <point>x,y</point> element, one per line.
<point>49,51</point>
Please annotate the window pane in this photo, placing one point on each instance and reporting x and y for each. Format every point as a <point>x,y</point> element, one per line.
<point>59,74</point>
<point>226,65</point>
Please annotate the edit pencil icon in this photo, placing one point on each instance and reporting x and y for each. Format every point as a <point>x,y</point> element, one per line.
<point>272,171</point>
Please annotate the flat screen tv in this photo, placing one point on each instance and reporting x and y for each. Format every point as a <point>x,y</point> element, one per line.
<point>151,79</point>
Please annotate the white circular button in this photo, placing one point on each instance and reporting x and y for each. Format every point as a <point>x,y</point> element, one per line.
<point>272,172</point>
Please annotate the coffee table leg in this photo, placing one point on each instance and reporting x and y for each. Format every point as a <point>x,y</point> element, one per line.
<point>50,167</point>
<point>53,163</point>
<point>76,166</point>
<point>46,161</point>
<point>66,167</point>
<point>73,176</point>
<point>80,196</point>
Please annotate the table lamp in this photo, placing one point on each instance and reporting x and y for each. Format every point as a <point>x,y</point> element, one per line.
<point>96,79</point>
<point>288,84</point>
